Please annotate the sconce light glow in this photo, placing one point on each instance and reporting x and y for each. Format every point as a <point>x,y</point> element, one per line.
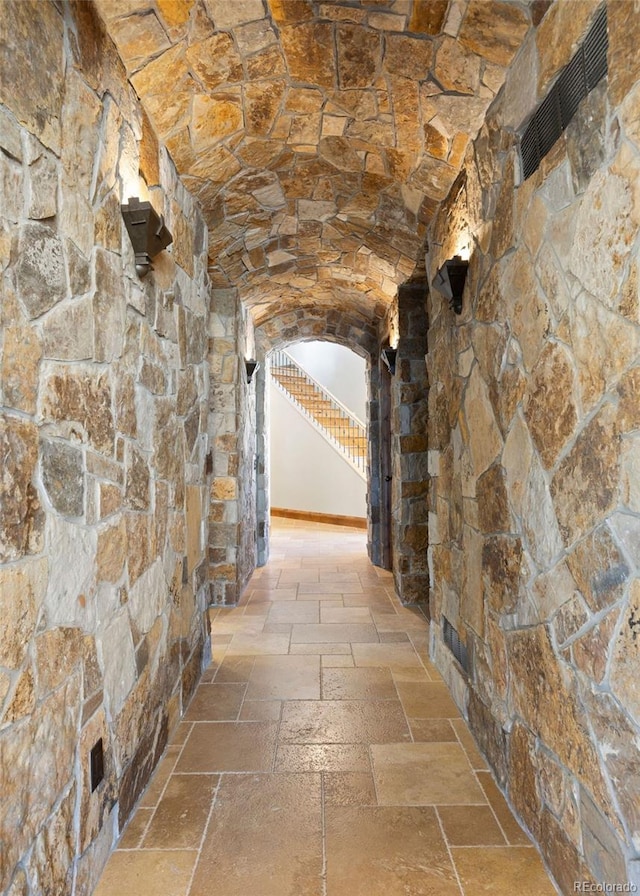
<point>147,232</point>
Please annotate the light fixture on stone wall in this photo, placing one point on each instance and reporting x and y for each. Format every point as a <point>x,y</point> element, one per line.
<point>450,280</point>
<point>147,232</point>
<point>389,356</point>
<point>251,366</point>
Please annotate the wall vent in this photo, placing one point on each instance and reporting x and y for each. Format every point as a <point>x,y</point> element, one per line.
<point>455,645</point>
<point>587,67</point>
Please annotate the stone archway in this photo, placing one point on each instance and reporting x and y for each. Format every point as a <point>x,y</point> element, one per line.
<point>306,325</point>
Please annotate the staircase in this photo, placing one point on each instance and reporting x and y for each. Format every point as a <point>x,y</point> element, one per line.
<point>344,432</point>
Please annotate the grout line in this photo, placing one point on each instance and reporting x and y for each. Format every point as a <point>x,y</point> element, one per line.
<point>446,843</point>
<point>204,833</point>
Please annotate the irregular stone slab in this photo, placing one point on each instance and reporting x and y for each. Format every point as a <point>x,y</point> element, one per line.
<point>63,477</point>
<point>22,518</point>
<point>584,489</point>
<point>84,398</point>
<point>40,274</point>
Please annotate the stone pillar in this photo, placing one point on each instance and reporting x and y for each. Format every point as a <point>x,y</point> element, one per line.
<point>409,447</point>
<point>232,434</point>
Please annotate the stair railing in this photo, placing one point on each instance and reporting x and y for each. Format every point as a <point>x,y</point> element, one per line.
<point>342,429</point>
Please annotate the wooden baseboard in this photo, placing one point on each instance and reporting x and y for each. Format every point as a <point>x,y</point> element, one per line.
<point>332,519</point>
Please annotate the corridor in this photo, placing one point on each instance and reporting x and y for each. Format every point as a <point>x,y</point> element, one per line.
<point>321,753</point>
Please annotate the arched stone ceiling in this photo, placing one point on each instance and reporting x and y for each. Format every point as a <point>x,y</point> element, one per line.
<point>319,135</point>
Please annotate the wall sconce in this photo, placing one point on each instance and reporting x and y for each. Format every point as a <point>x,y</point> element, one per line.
<point>389,356</point>
<point>147,232</point>
<point>251,367</point>
<point>450,280</point>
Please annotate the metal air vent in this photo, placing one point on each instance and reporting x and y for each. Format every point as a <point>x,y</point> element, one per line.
<point>578,78</point>
<point>455,645</point>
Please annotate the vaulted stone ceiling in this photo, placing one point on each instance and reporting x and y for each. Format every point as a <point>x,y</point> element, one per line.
<point>319,136</point>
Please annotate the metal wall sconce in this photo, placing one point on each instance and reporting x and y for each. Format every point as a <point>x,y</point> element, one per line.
<point>450,280</point>
<point>389,356</point>
<point>251,367</point>
<point>147,232</point>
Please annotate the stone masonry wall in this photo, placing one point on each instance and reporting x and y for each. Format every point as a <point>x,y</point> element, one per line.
<point>103,408</point>
<point>232,434</point>
<point>409,447</point>
<point>534,415</point>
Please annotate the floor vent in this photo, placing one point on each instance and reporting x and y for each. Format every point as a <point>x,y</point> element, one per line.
<point>587,67</point>
<point>455,645</point>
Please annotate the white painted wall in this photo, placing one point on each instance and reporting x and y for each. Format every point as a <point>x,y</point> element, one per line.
<point>338,369</point>
<point>306,472</point>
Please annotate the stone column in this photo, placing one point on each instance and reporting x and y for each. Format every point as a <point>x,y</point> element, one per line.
<point>409,447</point>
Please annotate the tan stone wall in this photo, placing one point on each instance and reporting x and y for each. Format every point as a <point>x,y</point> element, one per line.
<point>232,436</point>
<point>103,409</point>
<point>534,452</point>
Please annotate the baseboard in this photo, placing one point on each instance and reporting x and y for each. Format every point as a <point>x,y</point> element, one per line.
<point>332,519</point>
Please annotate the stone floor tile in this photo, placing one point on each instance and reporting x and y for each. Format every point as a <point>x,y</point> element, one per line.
<point>264,838</point>
<point>467,740</point>
<point>134,831</point>
<point>180,818</point>
<point>295,576</point>
<point>234,669</point>
<point>337,661</point>
<point>428,700</point>
<point>229,747</point>
<point>295,611</point>
<point>273,595</point>
<point>513,832</point>
<point>470,826</point>
<point>342,614</point>
<point>385,851</point>
<point>147,872</point>
<point>322,633</point>
<point>323,757</point>
<point>161,775</point>
<point>440,730</point>
<point>358,684</point>
<point>343,721</point>
<point>247,644</point>
<point>395,656</point>
<point>285,678</point>
<point>260,710</point>
<point>215,702</point>
<point>349,789</point>
<point>319,649</point>
<point>502,871</point>
<point>423,774</point>
<point>319,588</point>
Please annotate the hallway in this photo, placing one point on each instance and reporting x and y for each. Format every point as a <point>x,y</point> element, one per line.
<point>321,753</point>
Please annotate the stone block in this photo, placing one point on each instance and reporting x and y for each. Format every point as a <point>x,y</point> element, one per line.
<point>41,275</point>
<point>584,488</point>
<point>71,586</point>
<point>84,398</point>
<point>63,477</point>
<point>33,96</point>
<point>22,522</point>
<point>21,358</point>
<point>58,653</point>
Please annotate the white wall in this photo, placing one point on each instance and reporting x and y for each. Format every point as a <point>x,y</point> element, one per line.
<point>306,472</point>
<point>338,369</point>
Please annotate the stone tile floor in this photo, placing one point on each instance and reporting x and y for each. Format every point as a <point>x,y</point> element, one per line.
<point>322,754</point>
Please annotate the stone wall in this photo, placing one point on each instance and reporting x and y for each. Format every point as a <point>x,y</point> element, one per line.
<point>232,435</point>
<point>104,387</point>
<point>409,484</point>
<point>534,452</point>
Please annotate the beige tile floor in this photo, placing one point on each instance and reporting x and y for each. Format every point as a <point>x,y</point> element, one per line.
<point>322,754</point>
